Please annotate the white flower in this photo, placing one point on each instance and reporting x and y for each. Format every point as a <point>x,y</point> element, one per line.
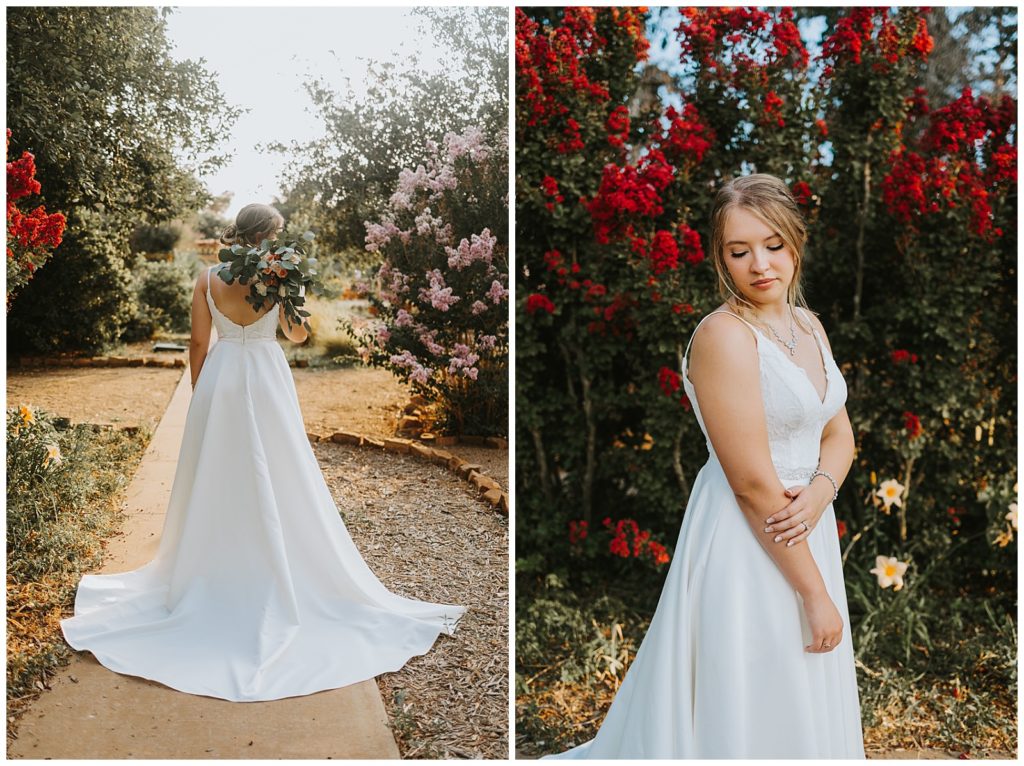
<point>261,288</point>
<point>891,493</point>
<point>282,291</point>
<point>890,571</point>
<point>1012,515</point>
<point>52,455</point>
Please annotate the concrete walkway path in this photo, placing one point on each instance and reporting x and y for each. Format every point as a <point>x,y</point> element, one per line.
<point>91,712</point>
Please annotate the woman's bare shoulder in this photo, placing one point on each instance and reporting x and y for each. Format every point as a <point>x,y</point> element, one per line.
<point>724,345</point>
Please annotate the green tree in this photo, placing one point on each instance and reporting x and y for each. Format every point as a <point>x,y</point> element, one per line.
<point>351,170</point>
<point>95,94</point>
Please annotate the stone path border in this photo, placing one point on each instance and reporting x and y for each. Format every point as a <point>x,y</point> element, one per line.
<point>489,490</point>
<point>92,712</point>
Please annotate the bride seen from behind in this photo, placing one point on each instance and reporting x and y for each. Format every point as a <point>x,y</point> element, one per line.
<point>257,591</point>
<point>749,652</point>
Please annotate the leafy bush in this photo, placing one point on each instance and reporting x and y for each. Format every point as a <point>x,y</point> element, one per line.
<point>84,300</point>
<point>911,263</point>
<point>59,483</point>
<point>155,238</point>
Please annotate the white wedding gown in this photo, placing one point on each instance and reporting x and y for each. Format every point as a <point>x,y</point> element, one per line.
<point>722,671</point>
<point>257,591</point>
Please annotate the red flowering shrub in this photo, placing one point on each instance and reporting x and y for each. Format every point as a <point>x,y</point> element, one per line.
<point>31,236</point>
<point>911,217</point>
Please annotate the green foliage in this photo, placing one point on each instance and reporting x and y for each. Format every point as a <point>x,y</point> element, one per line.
<point>163,291</point>
<point>156,238</point>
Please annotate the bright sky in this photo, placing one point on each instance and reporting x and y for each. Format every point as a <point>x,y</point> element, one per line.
<point>299,45</point>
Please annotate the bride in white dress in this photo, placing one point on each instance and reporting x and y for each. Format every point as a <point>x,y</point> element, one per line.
<point>257,591</point>
<point>749,652</point>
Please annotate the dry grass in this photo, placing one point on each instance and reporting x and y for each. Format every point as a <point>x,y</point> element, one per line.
<point>424,533</point>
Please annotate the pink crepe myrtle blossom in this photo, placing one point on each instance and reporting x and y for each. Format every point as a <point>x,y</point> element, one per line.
<point>428,339</point>
<point>479,307</point>
<point>403,318</point>
<point>417,371</point>
<point>463,360</point>
<point>497,293</point>
<point>470,143</point>
<point>480,247</point>
<point>438,295</point>
<point>487,342</point>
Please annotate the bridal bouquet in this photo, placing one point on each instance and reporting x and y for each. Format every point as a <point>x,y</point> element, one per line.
<point>278,272</point>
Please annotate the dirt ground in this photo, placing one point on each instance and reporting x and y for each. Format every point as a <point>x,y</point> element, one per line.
<point>444,545</point>
<point>115,395</point>
<point>360,399</point>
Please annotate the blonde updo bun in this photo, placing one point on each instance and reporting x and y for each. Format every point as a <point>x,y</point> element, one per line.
<point>253,223</point>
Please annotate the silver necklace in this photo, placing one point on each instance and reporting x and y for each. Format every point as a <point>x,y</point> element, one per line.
<point>791,345</point>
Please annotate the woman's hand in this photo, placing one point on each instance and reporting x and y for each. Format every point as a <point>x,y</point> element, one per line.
<point>825,622</point>
<point>808,504</point>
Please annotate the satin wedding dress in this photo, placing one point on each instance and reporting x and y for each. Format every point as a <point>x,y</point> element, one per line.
<point>722,671</point>
<point>257,591</point>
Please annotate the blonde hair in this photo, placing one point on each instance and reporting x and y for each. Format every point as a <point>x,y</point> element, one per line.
<point>769,199</point>
<point>252,222</point>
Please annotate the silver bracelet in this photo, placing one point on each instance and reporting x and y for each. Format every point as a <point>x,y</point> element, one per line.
<point>827,475</point>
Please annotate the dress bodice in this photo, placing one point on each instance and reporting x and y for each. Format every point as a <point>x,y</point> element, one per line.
<point>794,413</point>
<point>263,329</point>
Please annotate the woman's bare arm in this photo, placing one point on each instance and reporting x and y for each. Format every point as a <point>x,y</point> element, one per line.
<point>726,380</point>
<point>296,333</point>
<point>202,321</point>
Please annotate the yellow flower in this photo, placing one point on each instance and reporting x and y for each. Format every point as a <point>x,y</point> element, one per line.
<point>890,571</point>
<point>891,492</point>
<point>648,442</point>
<point>1003,538</point>
<point>28,415</point>
<point>874,478</point>
<point>52,455</point>
<point>1012,515</point>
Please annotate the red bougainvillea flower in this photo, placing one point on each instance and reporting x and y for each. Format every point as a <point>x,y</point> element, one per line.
<point>577,531</point>
<point>662,252</point>
<point>802,192</point>
<point>669,381</point>
<point>901,356</point>
<point>628,193</point>
<point>538,302</point>
<point>841,527</point>
<point>617,126</point>
<point>658,552</point>
<point>912,423</point>
<point>691,246</point>
<point>686,139</point>
<point>549,186</point>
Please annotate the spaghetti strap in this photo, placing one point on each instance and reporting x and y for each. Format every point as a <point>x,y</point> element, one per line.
<point>686,354</point>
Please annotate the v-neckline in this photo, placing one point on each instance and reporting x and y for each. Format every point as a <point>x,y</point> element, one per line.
<point>807,376</point>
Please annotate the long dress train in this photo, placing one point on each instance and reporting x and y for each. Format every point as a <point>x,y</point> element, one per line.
<point>722,672</point>
<point>257,591</point>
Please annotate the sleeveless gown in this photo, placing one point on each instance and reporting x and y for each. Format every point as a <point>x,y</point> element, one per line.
<point>257,591</point>
<point>722,671</point>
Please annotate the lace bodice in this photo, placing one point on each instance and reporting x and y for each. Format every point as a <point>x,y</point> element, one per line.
<point>263,329</point>
<point>794,413</point>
